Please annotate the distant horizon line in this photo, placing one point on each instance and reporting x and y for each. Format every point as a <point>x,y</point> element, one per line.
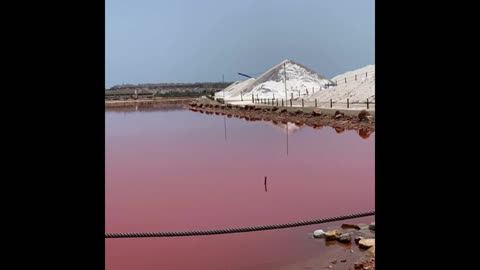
<point>157,83</point>
<point>146,83</point>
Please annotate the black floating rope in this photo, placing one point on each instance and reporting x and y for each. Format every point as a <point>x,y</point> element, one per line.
<point>237,230</point>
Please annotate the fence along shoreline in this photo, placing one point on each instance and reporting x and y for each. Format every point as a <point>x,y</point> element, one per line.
<point>343,81</point>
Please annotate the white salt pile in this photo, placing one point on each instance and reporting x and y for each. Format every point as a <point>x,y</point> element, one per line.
<point>301,82</point>
<point>289,128</point>
<point>233,91</point>
<point>357,88</point>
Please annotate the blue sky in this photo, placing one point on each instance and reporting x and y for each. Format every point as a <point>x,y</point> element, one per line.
<point>150,41</point>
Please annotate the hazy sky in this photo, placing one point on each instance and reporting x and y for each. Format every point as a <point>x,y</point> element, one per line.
<point>149,41</point>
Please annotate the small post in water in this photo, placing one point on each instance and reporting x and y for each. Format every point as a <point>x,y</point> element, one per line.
<point>355,77</point>
<point>265,184</point>
<point>345,79</point>
<point>367,104</point>
<point>302,102</point>
<point>315,102</point>
<point>282,102</point>
<point>331,103</point>
<point>348,103</point>
<point>277,102</point>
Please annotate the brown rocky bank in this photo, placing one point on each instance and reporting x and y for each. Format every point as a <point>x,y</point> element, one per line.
<point>315,118</point>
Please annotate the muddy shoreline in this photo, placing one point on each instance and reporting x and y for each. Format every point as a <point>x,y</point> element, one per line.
<point>315,118</point>
<point>143,102</point>
<point>350,247</point>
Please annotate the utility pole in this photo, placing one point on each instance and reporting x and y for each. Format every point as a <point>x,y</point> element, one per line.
<point>223,80</point>
<point>285,73</point>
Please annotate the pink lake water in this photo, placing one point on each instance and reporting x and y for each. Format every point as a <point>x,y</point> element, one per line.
<point>176,170</point>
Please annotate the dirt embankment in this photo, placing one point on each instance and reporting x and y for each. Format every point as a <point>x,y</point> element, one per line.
<point>315,117</point>
<point>139,102</point>
<point>311,117</point>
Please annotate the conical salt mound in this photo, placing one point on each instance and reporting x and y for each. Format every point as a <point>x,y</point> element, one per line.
<point>301,82</point>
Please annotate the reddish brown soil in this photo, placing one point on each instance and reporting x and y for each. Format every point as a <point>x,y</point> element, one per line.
<point>293,115</point>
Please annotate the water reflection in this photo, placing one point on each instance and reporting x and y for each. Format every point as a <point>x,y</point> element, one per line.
<point>225,127</point>
<point>287,127</point>
<point>364,133</point>
<point>290,128</point>
<point>339,130</point>
<point>145,108</point>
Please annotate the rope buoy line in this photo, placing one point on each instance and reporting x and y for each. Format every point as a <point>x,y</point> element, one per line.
<point>237,230</point>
